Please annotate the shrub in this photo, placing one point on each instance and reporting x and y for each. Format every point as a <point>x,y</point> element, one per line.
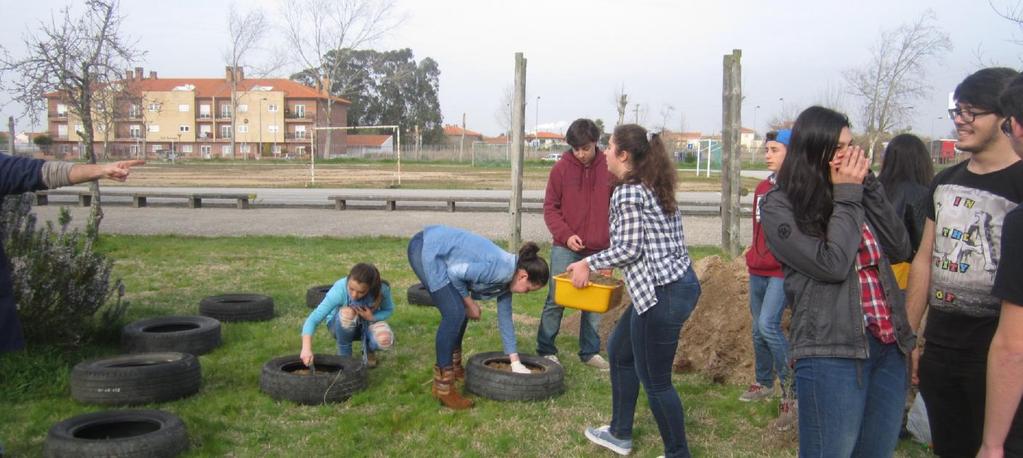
<point>62,286</point>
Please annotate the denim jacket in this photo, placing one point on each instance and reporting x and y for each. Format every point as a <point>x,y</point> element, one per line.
<point>821,281</point>
<point>476,267</point>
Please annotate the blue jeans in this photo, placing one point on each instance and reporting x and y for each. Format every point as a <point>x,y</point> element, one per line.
<point>770,349</point>
<point>550,318</point>
<point>448,301</point>
<point>852,407</point>
<point>641,350</point>
<point>345,337</point>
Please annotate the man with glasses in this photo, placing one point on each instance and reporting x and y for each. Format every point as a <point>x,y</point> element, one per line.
<point>1005,360</point>
<point>953,271</point>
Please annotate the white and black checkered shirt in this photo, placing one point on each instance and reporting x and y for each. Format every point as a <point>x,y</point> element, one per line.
<point>647,244</point>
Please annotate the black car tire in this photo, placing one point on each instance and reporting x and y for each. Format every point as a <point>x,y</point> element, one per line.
<point>141,378</point>
<point>419,295</point>
<point>335,380</point>
<point>238,307</point>
<point>197,335</point>
<point>127,433</point>
<point>503,385</point>
<point>315,295</point>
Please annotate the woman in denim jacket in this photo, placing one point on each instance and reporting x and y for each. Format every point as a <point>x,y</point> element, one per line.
<point>832,228</point>
<point>458,268</point>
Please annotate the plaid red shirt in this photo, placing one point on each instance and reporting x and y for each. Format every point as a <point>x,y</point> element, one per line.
<point>876,311</point>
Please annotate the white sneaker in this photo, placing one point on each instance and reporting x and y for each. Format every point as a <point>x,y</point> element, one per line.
<point>553,358</point>
<point>598,362</point>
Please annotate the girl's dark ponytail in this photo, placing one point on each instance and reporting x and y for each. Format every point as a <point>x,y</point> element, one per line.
<point>530,261</point>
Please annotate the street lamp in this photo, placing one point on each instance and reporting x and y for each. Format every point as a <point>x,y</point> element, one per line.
<point>536,123</point>
<point>755,109</point>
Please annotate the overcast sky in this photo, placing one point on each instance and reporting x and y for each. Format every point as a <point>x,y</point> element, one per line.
<point>665,53</point>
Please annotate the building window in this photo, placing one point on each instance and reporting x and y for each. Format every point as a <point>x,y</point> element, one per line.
<point>271,108</point>
<point>134,111</point>
<point>225,111</point>
<point>273,128</point>
<point>62,130</point>
<point>204,131</point>
<point>133,149</point>
<point>184,128</point>
<point>243,129</point>
<point>186,148</point>
<point>204,111</point>
<point>183,108</point>
<point>225,131</point>
<point>299,111</point>
<point>225,150</point>
<point>242,108</point>
<point>244,149</point>
<point>135,131</point>
<point>206,150</point>
<point>61,109</point>
<point>79,129</point>
<point>154,147</point>
<point>154,127</point>
<point>154,107</point>
<point>300,150</point>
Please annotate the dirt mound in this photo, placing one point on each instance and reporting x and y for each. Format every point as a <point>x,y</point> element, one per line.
<point>716,339</point>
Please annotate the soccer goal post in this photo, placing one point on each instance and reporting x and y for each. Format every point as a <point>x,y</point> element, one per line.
<point>397,147</point>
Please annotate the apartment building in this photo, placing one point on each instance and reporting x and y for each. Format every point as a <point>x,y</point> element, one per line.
<point>196,118</point>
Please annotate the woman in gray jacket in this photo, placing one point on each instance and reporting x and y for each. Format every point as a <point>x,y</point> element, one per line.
<point>830,225</point>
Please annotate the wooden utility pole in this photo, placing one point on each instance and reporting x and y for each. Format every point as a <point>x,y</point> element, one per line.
<point>461,144</point>
<point>731,113</point>
<point>517,147</point>
<point>10,136</point>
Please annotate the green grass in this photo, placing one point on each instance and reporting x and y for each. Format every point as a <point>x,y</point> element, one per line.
<point>395,416</point>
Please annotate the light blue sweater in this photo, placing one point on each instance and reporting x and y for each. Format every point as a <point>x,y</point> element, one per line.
<point>337,297</point>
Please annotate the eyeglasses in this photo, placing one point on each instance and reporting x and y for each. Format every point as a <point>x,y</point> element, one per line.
<point>966,115</point>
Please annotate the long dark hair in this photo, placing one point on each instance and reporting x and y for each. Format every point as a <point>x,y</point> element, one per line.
<point>805,176</point>
<point>368,275</point>
<point>651,165</point>
<point>530,261</point>
<point>906,160</point>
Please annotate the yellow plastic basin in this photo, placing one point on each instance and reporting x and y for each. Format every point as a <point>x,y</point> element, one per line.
<point>593,298</point>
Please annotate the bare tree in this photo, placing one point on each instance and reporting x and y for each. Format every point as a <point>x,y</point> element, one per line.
<point>831,97</point>
<point>75,57</point>
<point>666,110</point>
<point>785,118</point>
<point>1011,12</point>
<point>319,31</point>
<point>621,100</point>
<point>895,75</point>
<point>245,31</point>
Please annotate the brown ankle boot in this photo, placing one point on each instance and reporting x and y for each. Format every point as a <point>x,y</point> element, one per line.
<point>456,365</point>
<point>445,392</point>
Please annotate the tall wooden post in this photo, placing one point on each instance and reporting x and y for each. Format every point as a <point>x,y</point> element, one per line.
<point>731,123</point>
<point>10,136</point>
<point>517,147</point>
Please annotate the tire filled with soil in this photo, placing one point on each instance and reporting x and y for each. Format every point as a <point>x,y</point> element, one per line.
<point>332,378</point>
<point>489,375</point>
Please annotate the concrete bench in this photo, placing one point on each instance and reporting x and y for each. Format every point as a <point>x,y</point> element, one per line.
<point>84,197</point>
<point>390,201</point>
<point>139,199</point>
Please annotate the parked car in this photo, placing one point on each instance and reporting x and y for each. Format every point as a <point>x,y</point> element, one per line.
<point>553,157</point>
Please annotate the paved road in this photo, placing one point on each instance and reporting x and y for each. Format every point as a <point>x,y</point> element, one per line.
<point>311,222</point>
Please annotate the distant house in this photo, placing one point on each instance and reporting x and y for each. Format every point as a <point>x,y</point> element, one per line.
<point>454,135</point>
<point>747,137</point>
<point>545,140</point>
<point>498,140</point>
<point>678,141</point>
<point>368,145</point>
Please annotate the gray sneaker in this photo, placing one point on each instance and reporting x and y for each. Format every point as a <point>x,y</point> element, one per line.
<point>788,415</point>
<point>598,362</point>
<point>756,392</point>
<point>553,359</point>
<point>602,436</point>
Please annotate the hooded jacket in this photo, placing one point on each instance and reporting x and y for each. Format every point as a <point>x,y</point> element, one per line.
<point>576,202</point>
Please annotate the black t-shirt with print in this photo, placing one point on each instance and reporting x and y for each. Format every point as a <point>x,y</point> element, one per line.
<point>1009,280</point>
<point>968,210</point>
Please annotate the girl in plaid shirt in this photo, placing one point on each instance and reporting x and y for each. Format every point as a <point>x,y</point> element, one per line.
<point>647,243</point>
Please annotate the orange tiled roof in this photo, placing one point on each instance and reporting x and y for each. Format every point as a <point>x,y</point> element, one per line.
<point>549,136</point>
<point>498,140</point>
<point>367,140</point>
<point>451,130</point>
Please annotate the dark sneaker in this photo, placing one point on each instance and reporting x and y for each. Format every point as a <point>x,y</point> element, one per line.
<point>371,360</point>
<point>602,436</point>
<point>756,392</point>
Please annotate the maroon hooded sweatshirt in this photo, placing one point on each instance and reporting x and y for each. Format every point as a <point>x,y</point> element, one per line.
<point>759,260</point>
<point>577,200</point>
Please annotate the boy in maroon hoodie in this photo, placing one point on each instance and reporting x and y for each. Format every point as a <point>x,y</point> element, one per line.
<point>767,298</point>
<point>575,209</point>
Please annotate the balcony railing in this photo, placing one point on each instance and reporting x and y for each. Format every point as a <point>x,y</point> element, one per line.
<point>54,114</point>
<point>298,116</point>
<point>206,116</point>
<point>296,136</point>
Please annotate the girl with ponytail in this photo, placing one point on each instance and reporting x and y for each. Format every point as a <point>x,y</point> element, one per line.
<point>647,243</point>
<point>458,268</point>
